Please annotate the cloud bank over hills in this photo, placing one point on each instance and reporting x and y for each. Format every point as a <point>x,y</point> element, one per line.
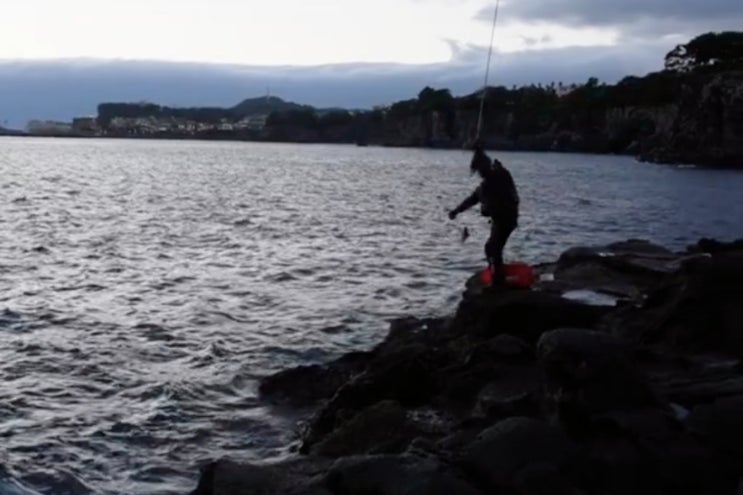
<point>61,89</point>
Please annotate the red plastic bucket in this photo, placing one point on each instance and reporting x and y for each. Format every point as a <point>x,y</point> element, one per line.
<point>519,275</point>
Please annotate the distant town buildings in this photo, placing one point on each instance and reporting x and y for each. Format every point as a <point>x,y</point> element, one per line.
<point>143,126</point>
<point>49,128</point>
<point>86,126</point>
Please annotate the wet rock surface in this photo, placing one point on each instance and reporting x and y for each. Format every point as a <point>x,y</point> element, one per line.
<point>533,392</point>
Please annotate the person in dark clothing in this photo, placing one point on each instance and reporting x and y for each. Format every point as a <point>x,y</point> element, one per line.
<point>499,201</point>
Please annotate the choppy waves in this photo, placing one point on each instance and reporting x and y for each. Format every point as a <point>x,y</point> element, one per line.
<point>145,286</point>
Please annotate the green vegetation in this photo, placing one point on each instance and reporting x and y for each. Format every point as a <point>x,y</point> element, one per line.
<point>715,51</point>
<point>265,106</point>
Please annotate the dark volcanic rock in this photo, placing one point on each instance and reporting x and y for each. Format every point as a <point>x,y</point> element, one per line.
<point>638,246</point>
<point>588,372</point>
<point>712,246</point>
<point>699,388</point>
<point>307,384</point>
<point>503,348</point>
<point>721,424</point>
<point>515,393</point>
<point>302,476</point>
<point>395,475</point>
<point>525,392</point>
<point>524,314</point>
<point>624,269</point>
<point>647,451</point>
<point>381,428</point>
<point>696,309</point>
<point>544,479</point>
<point>403,369</point>
<point>502,452</point>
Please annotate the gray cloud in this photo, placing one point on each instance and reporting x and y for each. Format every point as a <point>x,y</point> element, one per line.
<point>63,89</point>
<point>633,17</point>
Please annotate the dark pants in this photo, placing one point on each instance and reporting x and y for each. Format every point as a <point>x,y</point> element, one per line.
<point>500,231</point>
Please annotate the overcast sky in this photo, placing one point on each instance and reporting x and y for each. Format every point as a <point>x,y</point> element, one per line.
<point>354,53</point>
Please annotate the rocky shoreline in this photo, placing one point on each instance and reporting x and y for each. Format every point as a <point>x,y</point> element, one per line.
<point>620,372</point>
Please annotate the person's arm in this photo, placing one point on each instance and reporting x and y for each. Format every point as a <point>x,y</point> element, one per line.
<point>468,203</point>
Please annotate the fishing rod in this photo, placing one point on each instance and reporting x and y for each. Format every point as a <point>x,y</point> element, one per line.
<point>465,231</point>
<point>487,72</point>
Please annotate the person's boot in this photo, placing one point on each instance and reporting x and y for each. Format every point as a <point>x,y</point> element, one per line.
<point>497,279</point>
<point>499,275</point>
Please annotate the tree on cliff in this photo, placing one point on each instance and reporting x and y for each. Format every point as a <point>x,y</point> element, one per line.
<point>439,100</point>
<point>712,50</point>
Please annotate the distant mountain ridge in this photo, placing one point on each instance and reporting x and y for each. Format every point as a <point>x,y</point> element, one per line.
<point>249,107</point>
<point>10,132</point>
<point>259,106</point>
<point>265,105</point>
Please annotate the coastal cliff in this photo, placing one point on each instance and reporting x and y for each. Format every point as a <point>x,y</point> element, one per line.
<point>690,112</point>
<point>619,372</point>
<point>698,120</point>
<point>705,126</point>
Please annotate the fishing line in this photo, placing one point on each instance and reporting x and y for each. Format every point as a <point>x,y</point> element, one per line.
<point>487,71</point>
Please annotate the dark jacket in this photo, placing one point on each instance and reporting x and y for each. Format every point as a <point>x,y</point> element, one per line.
<point>496,194</point>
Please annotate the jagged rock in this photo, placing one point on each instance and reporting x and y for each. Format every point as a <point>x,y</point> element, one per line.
<point>688,381</point>
<point>588,372</point>
<point>381,428</point>
<point>649,451</point>
<point>638,261</point>
<point>638,246</point>
<point>698,390</point>
<point>306,384</point>
<point>721,424</point>
<point>302,476</point>
<point>395,475</point>
<point>405,374</point>
<point>570,351</point>
<point>502,451</point>
<point>404,329</point>
<point>461,383</point>
<point>712,246</point>
<point>620,273</point>
<point>618,250</point>
<point>698,309</point>
<point>524,314</point>
<point>515,393</point>
<point>464,434</point>
<point>430,422</point>
<point>503,348</point>
<point>403,368</point>
<point>616,466</point>
<point>597,277</point>
<point>625,268</point>
<point>497,378</point>
<point>644,398</point>
<point>544,479</point>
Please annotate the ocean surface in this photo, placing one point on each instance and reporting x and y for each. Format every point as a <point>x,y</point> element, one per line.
<point>145,286</point>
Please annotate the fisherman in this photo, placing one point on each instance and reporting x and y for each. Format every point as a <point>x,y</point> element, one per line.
<point>499,201</point>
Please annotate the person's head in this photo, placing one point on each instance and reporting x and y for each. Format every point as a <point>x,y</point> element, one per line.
<point>480,162</point>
